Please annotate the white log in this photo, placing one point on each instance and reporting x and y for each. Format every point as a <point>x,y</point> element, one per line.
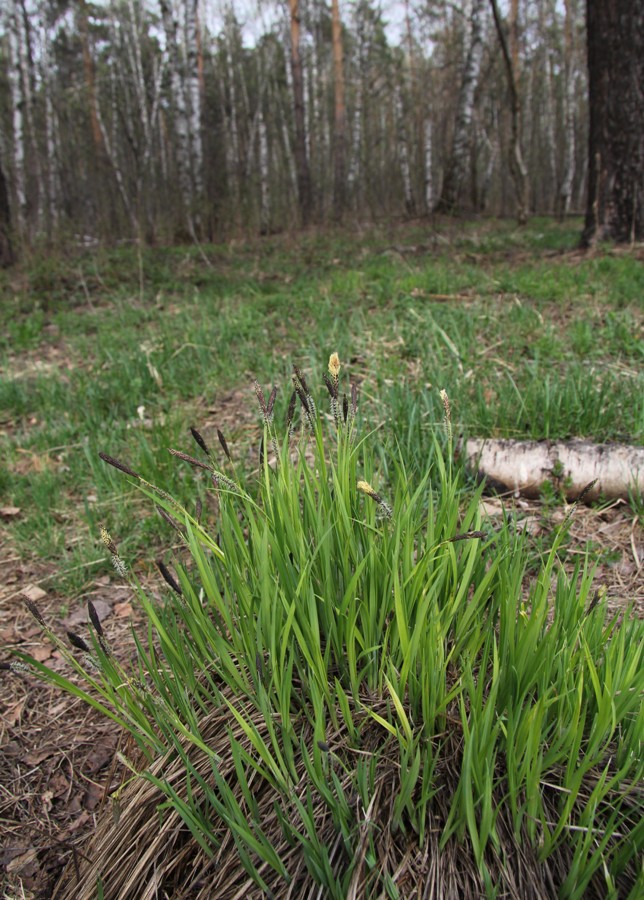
<point>524,466</point>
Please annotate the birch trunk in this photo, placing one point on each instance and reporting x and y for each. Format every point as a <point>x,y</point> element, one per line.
<point>193,91</point>
<point>403,153</point>
<point>51,131</point>
<point>569,113</point>
<point>180,118</point>
<point>17,107</point>
<point>264,173</point>
<point>427,161</point>
<point>524,466</point>
<point>304,193</point>
<point>458,165</point>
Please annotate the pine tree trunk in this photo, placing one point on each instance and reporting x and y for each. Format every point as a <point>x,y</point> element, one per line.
<point>615,205</point>
<point>339,119</point>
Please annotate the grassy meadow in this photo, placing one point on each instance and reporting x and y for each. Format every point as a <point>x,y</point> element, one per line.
<point>355,681</point>
<point>122,352</point>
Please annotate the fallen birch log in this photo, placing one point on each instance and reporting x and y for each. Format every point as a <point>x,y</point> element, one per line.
<point>524,466</point>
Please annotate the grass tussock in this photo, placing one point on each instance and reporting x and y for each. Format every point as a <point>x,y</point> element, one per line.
<point>349,693</point>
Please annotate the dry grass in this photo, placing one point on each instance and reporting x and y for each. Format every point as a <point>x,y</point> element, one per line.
<point>141,854</point>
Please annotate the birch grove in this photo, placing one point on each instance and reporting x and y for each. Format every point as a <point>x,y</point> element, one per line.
<point>168,120</point>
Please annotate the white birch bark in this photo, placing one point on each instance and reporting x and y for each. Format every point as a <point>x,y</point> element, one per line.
<point>51,131</point>
<point>463,126</point>
<point>570,78</point>
<point>180,118</point>
<point>427,165</point>
<point>17,106</point>
<point>550,119</point>
<point>264,173</point>
<point>194,94</point>
<point>524,466</point>
<point>403,152</point>
<point>353,175</point>
<point>233,126</point>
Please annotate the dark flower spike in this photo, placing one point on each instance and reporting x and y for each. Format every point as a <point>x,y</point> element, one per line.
<point>198,510</point>
<point>261,451</point>
<point>582,496</point>
<point>94,619</point>
<point>168,577</point>
<point>330,386</point>
<point>200,441</point>
<point>307,406</point>
<point>169,519</point>
<point>271,401</point>
<point>191,460</point>
<point>259,665</point>
<point>77,642</point>
<point>354,400</point>
<point>345,408</point>
<point>298,377</point>
<point>587,490</point>
<point>466,536</point>
<point>117,464</point>
<point>291,411</point>
<point>261,399</point>
<point>224,445</point>
<point>35,612</point>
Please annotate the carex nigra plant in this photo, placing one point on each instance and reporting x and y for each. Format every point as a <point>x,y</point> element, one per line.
<point>351,685</point>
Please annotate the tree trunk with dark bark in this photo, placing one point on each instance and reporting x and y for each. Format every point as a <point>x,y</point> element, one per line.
<point>6,250</point>
<point>518,168</point>
<point>615,205</point>
<point>339,119</point>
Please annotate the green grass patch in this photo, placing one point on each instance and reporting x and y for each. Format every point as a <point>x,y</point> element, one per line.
<point>349,676</point>
<point>530,339</point>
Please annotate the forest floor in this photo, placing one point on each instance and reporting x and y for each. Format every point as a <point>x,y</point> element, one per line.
<point>122,351</point>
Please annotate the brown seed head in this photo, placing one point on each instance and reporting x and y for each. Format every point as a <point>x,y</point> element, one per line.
<point>117,464</point>
<point>191,460</point>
